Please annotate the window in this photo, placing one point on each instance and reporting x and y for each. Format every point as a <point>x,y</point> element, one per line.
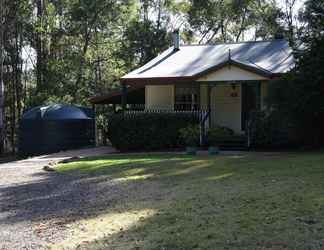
<point>186,97</point>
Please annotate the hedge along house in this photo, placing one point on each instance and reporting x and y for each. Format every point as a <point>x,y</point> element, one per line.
<point>225,81</point>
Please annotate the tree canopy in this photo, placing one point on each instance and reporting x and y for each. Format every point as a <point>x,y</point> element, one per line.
<point>299,94</point>
<point>69,50</point>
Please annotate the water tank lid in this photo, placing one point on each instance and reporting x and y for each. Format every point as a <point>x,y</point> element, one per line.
<point>56,112</point>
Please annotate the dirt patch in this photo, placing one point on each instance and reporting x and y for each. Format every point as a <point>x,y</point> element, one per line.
<point>35,205</point>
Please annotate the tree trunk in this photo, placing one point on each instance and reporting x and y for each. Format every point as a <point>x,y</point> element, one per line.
<point>13,106</point>
<point>81,65</point>
<point>1,79</point>
<point>19,86</point>
<point>39,46</point>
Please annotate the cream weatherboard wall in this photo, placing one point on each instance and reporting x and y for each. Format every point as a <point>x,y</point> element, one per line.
<point>159,97</point>
<point>231,73</point>
<point>226,107</point>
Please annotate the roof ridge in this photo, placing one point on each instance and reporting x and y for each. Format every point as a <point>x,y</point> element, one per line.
<point>228,43</point>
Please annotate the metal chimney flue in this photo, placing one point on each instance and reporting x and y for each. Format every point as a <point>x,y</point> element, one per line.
<point>176,40</point>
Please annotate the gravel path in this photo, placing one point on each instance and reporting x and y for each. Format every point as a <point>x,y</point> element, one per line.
<point>36,206</point>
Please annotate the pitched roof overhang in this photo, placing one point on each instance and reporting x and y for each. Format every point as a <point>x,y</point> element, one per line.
<point>265,58</point>
<point>155,80</point>
<point>183,79</point>
<point>245,66</point>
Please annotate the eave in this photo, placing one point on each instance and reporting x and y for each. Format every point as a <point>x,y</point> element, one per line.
<point>142,81</point>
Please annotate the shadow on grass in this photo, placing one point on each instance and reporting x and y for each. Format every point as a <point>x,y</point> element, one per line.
<point>101,186</point>
<point>153,166</point>
<point>176,201</point>
<point>267,202</point>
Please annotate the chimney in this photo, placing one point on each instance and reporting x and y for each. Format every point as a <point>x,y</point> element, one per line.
<point>176,40</point>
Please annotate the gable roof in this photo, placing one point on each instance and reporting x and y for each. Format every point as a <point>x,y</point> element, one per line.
<point>267,58</point>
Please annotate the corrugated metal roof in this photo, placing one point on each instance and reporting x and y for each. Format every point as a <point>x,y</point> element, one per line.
<point>274,57</point>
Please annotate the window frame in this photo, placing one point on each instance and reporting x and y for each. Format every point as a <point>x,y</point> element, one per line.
<point>193,86</point>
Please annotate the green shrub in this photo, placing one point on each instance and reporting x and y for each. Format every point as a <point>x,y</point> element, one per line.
<point>219,131</point>
<point>190,135</point>
<point>148,131</point>
<point>270,130</point>
<point>218,134</point>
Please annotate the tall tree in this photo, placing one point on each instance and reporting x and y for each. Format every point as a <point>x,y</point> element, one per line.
<point>299,95</point>
<point>233,20</point>
<point>2,27</point>
<point>39,43</point>
<point>148,32</point>
<point>68,50</point>
<point>13,14</point>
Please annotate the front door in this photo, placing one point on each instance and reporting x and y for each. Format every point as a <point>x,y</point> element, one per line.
<point>250,101</point>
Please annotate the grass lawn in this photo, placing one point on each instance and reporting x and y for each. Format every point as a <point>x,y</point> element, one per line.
<point>248,201</point>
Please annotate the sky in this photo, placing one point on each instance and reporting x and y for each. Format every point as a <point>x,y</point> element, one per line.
<point>298,4</point>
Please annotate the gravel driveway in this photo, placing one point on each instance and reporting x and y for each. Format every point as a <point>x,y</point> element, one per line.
<point>36,206</point>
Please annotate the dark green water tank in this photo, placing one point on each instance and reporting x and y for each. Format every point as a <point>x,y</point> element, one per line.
<point>57,127</point>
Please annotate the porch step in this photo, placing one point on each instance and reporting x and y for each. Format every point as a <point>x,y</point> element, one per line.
<point>236,142</point>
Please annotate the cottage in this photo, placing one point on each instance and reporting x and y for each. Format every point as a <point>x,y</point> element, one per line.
<point>227,81</point>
